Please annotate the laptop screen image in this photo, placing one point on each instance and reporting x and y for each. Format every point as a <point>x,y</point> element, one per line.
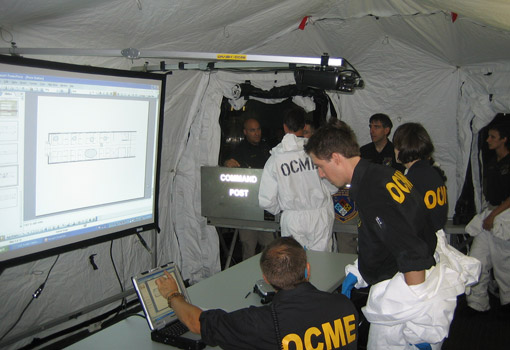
<point>155,306</point>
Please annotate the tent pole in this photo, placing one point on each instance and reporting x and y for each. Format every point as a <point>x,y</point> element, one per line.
<point>132,53</point>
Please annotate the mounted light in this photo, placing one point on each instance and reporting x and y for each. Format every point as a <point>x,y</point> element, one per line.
<point>329,79</point>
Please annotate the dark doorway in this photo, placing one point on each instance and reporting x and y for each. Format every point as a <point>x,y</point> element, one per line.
<point>270,117</point>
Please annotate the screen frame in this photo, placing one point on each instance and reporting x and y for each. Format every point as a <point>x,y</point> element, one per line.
<point>63,247</point>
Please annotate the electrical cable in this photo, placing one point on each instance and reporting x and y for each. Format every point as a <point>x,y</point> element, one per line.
<point>115,267</point>
<point>137,314</point>
<point>2,31</point>
<point>37,342</point>
<point>123,301</point>
<point>35,295</point>
<point>143,243</point>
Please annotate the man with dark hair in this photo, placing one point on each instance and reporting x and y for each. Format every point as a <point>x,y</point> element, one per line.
<point>299,317</point>
<point>491,228</point>
<point>380,150</point>
<point>409,301</point>
<point>389,208</point>
<point>283,264</point>
<point>414,150</point>
<point>308,129</point>
<point>290,184</point>
<point>252,152</point>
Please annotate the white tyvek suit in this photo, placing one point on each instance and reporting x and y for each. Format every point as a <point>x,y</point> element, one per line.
<point>402,315</point>
<point>290,183</point>
<point>492,248</point>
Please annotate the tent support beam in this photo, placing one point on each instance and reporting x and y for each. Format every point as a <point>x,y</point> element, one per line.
<point>132,54</point>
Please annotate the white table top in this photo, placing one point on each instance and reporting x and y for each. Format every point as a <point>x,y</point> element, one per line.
<point>227,290</point>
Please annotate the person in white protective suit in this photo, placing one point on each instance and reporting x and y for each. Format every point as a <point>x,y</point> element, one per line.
<point>491,228</point>
<point>290,183</point>
<point>414,275</point>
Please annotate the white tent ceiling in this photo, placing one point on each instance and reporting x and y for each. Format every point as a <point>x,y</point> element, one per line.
<point>246,26</point>
<point>418,63</point>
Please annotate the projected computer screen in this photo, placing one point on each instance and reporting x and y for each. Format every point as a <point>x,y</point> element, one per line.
<point>78,155</point>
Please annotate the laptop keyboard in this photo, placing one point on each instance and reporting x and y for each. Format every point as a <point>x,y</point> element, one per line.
<point>175,329</point>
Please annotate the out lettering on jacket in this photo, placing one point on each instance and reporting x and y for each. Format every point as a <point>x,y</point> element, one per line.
<point>337,334</point>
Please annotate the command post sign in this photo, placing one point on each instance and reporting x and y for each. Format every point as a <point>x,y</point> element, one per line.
<point>231,193</point>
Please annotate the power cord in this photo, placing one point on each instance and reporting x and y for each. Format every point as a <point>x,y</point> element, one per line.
<point>35,295</point>
<point>123,301</point>
<point>143,243</point>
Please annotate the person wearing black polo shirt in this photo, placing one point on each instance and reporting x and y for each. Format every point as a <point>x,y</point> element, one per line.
<point>414,149</point>
<point>252,152</point>
<point>491,228</point>
<point>396,246</point>
<point>380,150</point>
<point>299,317</point>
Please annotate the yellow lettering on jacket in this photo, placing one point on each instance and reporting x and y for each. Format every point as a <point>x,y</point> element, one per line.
<point>337,334</point>
<point>308,338</point>
<point>430,199</point>
<point>441,195</point>
<point>350,327</point>
<point>399,185</point>
<point>402,181</point>
<point>395,192</point>
<point>434,198</point>
<point>292,338</point>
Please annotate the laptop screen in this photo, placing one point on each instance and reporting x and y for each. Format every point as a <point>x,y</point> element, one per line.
<point>154,305</point>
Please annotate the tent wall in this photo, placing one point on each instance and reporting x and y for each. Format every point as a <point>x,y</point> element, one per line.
<point>418,65</point>
<point>402,80</point>
<point>426,93</point>
<point>73,284</point>
<point>198,241</point>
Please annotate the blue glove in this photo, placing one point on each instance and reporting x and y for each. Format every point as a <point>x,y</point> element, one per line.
<point>348,283</point>
<point>423,346</point>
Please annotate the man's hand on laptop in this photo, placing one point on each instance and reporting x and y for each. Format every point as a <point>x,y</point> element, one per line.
<point>167,285</point>
<point>188,313</point>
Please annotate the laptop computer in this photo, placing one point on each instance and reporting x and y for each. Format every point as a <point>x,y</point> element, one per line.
<point>163,322</point>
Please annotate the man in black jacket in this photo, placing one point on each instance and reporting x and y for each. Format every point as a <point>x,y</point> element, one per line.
<point>300,316</point>
<point>252,152</point>
<point>394,235</point>
<point>380,150</point>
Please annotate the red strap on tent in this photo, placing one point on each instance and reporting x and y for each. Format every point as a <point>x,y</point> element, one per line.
<point>302,25</point>
<point>454,17</point>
